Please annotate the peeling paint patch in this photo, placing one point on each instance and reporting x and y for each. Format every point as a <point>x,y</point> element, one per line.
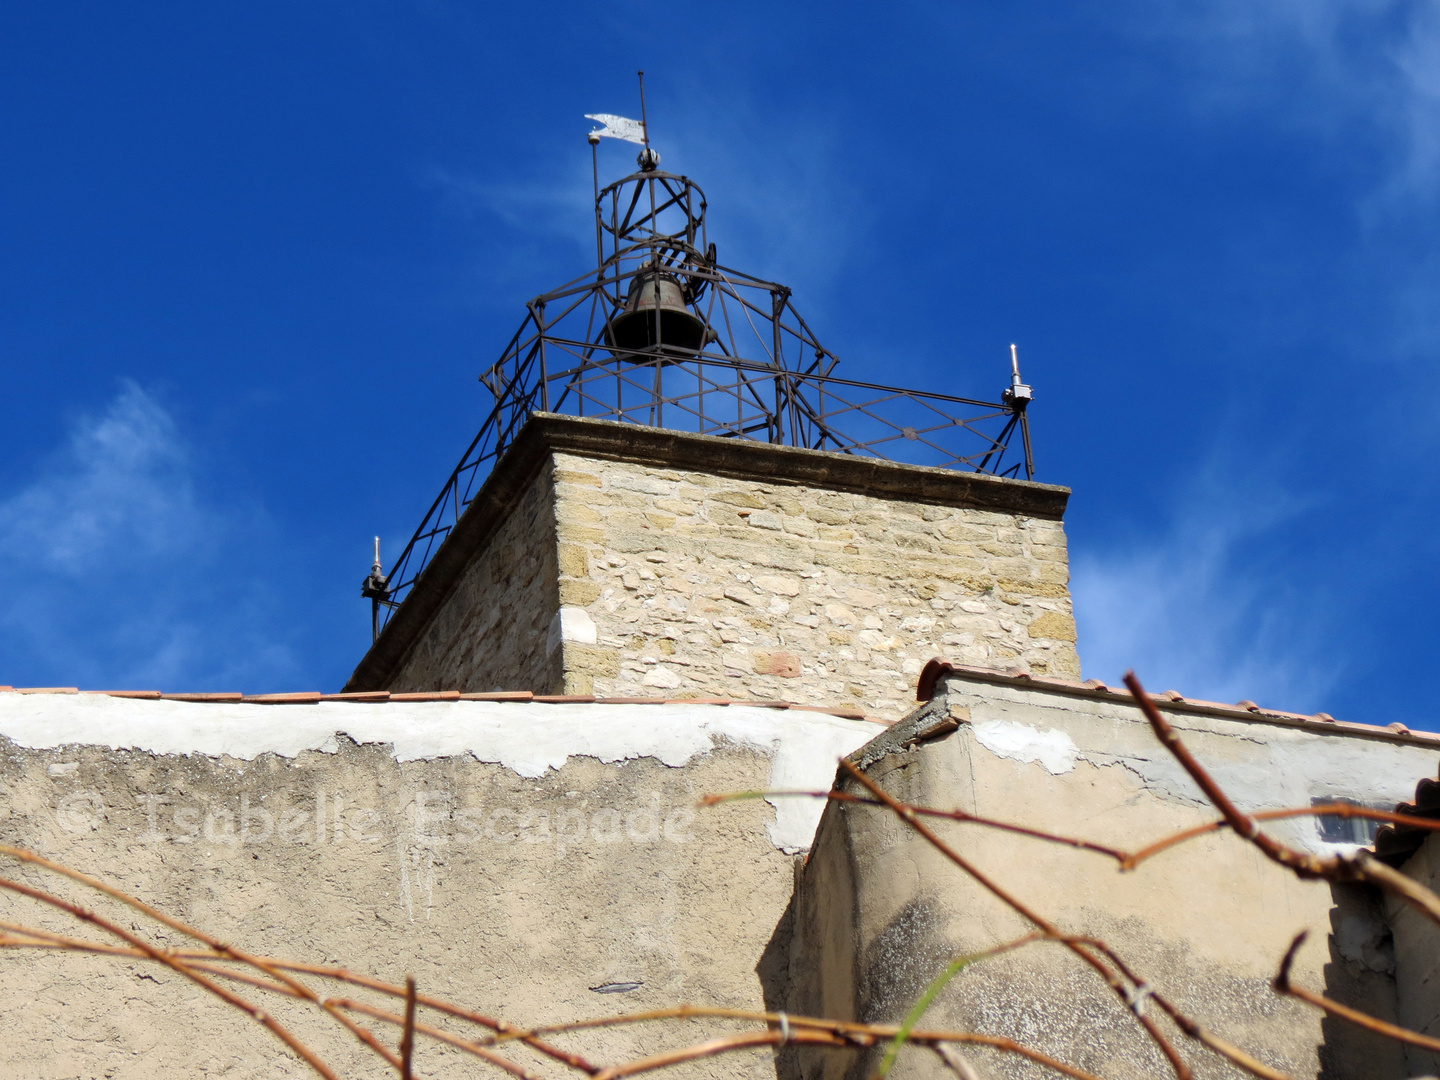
<point>1053,749</point>
<point>529,739</point>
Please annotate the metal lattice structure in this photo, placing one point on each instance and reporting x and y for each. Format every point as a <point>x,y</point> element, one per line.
<point>663,335</point>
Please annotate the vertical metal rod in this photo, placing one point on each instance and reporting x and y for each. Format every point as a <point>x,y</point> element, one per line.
<point>820,438</point>
<point>776,303</point>
<point>538,310</point>
<point>599,233</point>
<point>1025,438</point>
<point>644,123</point>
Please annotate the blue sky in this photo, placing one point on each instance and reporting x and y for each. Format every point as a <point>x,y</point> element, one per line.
<point>254,257</point>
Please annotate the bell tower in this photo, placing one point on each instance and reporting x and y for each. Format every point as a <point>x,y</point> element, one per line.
<point>674,492</point>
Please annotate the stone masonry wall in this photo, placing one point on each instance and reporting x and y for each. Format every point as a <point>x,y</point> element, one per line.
<point>491,631</point>
<point>705,585</point>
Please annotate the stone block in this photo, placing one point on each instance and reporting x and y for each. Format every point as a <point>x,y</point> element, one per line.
<point>573,560</point>
<point>579,593</point>
<point>581,534</point>
<point>1055,625</point>
<point>785,665</point>
<point>594,660</point>
<point>734,497</point>
<point>782,585</point>
<point>577,476</point>
<point>764,519</point>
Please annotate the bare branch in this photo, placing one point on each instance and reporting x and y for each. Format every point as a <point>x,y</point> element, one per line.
<point>1182,1071</point>
<point>407,1036</point>
<point>1283,985</point>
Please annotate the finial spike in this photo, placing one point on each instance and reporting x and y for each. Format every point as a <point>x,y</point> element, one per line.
<point>644,124</point>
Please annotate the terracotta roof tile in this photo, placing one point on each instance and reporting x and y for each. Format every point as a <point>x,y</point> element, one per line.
<point>1396,843</point>
<point>383,696</point>
<point>1244,710</point>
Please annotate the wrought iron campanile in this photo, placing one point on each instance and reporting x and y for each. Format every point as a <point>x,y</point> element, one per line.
<point>663,334</point>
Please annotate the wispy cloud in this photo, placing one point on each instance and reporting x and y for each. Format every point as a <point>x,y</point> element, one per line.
<point>1362,73</point>
<point>778,204</point>
<point>121,573</point>
<point>1204,605</point>
<point>119,492</point>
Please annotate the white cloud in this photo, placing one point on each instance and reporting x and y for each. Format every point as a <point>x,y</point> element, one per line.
<point>1204,605</point>
<point>122,574</point>
<point>120,491</point>
<point>1364,74</point>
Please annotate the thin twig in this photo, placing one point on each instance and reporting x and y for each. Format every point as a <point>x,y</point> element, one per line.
<point>506,1030</point>
<point>1340,810</point>
<point>1128,860</point>
<point>1392,880</point>
<point>227,951</point>
<point>278,1029</point>
<point>1182,1071</point>
<point>855,1041</point>
<point>438,1034</point>
<point>955,1061</point>
<point>928,811</point>
<point>407,1035</point>
<point>1283,985</point>
<point>1360,866</point>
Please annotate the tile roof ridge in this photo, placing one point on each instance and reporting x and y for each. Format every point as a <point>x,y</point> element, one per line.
<point>1245,709</point>
<point>380,697</point>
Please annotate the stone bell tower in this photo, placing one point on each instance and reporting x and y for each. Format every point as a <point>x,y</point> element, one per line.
<point>674,495</point>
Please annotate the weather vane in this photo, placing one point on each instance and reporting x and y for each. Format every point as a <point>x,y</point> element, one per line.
<point>622,127</point>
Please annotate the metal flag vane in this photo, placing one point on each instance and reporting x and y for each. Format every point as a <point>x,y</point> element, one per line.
<point>622,127</point>
<point>617,127</point>
<point>660,333</point>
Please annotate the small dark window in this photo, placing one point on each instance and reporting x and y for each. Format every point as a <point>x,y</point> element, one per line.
<point>1346,830</point>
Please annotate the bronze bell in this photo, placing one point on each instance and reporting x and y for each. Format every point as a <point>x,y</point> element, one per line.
<point>680,329</point>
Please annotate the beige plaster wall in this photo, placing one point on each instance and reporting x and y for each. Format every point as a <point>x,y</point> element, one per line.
<point>491,631</point>
<point>700,584</point>
<point>590,874</point>
<point>879,913</point>
<point>1417,960</point>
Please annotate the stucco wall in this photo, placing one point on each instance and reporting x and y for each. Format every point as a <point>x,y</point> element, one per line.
<point>1417,960</point>
<point>701,583</point>
<point>491,631</point>
<point>879,913</point>
<point>511,857</point>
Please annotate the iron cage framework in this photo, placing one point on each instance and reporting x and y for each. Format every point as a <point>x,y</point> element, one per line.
<point>663,335</point>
